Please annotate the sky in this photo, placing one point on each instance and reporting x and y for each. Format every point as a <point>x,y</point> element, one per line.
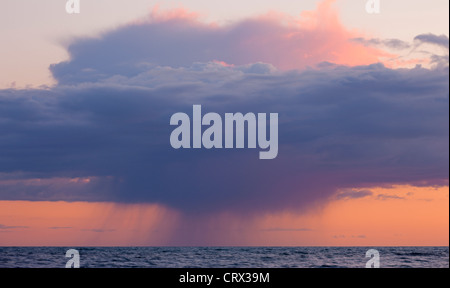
<point>38,32</point>
<point>86,99</point>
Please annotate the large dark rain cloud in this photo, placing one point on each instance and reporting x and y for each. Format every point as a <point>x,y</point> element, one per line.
<point>339,128</point>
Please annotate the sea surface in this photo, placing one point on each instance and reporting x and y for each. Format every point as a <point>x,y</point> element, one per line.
<point>224,257</point>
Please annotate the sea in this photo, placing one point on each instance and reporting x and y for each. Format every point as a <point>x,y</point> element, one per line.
<point>224,257</point>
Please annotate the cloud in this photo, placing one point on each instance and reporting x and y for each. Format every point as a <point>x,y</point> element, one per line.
<point>352,126</point>
<point>288,230</point>
<point>352,194</point>
<point>427,56</point>
<point>352,236</point>
<point>59,227</point>
<point>102,133</point>
<point>98,230</point>
<point>441,40</point>
<point>440,60</point>
<point>178,39</point>
<point>389,43</point>
<point>6,227</point>
<point>388,197</point>
<point>27,187</point>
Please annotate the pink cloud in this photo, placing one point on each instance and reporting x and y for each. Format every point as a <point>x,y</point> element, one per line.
<point>178,38</point>
<point>284,41</point>
<point>314,37</point>
<point>158,15</point>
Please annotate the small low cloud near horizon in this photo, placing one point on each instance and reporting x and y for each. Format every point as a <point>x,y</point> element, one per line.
<point>346,118</point>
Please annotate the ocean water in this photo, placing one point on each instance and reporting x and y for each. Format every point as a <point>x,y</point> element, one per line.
<point>224,257</point>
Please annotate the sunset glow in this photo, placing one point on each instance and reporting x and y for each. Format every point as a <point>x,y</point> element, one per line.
<point>404,215</point>
<point>361,105</point>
